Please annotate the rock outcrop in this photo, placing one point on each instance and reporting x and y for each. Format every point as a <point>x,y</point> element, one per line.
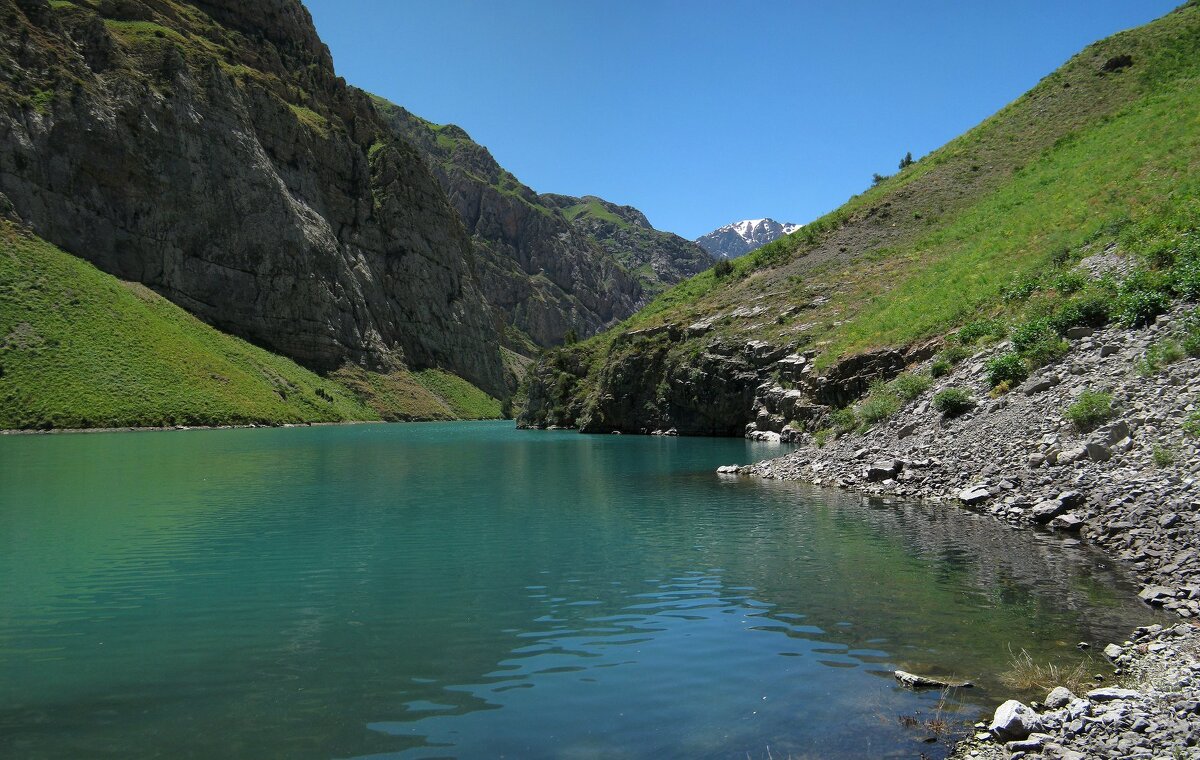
<point>208,150</point>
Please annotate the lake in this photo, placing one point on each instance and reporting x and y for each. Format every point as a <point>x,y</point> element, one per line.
<point>470,590</point>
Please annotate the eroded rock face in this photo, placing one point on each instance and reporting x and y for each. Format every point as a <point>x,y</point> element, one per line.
<point>216,157</point>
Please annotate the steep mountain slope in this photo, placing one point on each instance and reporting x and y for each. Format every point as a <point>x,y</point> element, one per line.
<point>208,150</point>
<point>1100,161</point>
<point>742,237</point>
<point>79,348</point>
<point>550,264</point>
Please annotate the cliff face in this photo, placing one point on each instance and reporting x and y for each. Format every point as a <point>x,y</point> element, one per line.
<point>208,150</point>
<point>550,264</point>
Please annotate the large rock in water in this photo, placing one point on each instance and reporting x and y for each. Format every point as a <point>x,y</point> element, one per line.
<point>252,187</point>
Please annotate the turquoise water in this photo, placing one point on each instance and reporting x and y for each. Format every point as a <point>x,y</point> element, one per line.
<point>469,590</point>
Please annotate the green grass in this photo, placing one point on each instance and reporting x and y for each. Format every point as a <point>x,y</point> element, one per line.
<point>311,119</point>
<point>80,348</point>
<point>594,208</point>
<point>465,400</point>
<point>1090,410</point>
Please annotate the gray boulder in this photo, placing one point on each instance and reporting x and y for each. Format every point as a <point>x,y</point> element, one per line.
<point>1014,721</point>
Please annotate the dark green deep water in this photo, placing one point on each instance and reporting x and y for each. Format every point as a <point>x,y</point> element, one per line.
<point>475,591</point>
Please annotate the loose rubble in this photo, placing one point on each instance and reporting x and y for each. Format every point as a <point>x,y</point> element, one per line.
<point>1016,457</point>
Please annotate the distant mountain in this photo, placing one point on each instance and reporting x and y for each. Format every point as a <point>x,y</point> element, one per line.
<point>740,238</point>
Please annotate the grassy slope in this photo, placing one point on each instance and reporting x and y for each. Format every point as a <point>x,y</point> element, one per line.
<point>79,348</point>
<point>1085,159</point>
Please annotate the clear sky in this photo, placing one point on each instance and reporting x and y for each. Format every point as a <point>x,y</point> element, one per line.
<point>704,112</point>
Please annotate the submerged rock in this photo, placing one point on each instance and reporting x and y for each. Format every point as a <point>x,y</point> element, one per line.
<point>914,681</point>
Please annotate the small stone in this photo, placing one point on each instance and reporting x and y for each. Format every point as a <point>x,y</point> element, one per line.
<point>974,495</point>
<point>1045,511</point>
<point>1156,595</point>
<point>1112,651</point>
<point>1110,693</point>
<point>1098,452</point>
<point>1059,697</point>
<point>1068,523</point>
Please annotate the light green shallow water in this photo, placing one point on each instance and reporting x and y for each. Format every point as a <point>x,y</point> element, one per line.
<point>469,590</point>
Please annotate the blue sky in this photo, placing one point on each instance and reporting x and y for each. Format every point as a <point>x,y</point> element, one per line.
<point>703,112</point>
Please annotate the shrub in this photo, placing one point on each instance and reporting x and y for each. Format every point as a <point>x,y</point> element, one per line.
<point>971,332</point>
<point>723,268</point>
<point>1070,282</point>
<point>952,402</point>
<point>843,420</point>
<point>1009,367</point>
<point>878,406</point>
<point>1191,425</point>
<point>1163,457</point>
<point>955,354</point>
<point>1026,334</point>
<point>1161,354</point>
<point>1021,289</point>
<point>1090,410</point>
<point>1091,309</point>
<point>940,366</point>
<point>822,436</point>
<point>1141,297</point>
<point>1046,351</point>
<point>909,385</point>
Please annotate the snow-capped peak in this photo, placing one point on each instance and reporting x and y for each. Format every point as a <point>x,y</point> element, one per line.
<point>740,238</point>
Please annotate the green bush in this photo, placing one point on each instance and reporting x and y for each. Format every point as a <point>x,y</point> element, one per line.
<point>1163,457</point>
<point>723,268</point>
<point>878,406</point>
<point>1090,410</point>
<point>971,332</point>
<point>1026,334</point>
<point>1191,425</point>
<point>952,402</point>
<point>1070,282</point>
<point>843,420</point>
<point>955,354</point>
<point>1046,351</point>
<point>822,436</point>
<point>1009,367</point>
<point>1021,289</point>
<point>909,385</point>
<point>1141,297</point>
<point>940,366</point>
<point>1162,353</point>
<point>1090,309</point>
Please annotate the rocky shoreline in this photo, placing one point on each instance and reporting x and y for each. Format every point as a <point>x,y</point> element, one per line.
<point>1130,485</point>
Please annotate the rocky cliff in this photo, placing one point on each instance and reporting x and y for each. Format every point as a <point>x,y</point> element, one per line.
<point>208,150</point>
<point>550,264</point>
